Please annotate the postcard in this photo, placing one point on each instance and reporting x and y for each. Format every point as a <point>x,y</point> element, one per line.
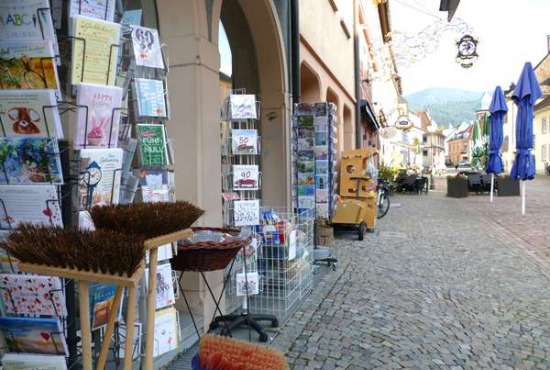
<point>149,95</point>
<point>97,125</point>
<point>246,212</point>
<point>26,20</point>
<point>37,204</point>
<point>102,297</point>
<point>98,9</point>
<point>95,51</point>
<point>146,45</point>
<point>30,160</point>
<point>27,361</point>
<point>306,190</point>
<point>166,331</point>
<point>35,335</point>
<point>30,113</point>
<point>165,285</point>
<point>32,295</point>
<point>242,107</point>
<point>306,202</point>
<point>245,177</point>
<point>321,182</point>
<point>244,142</point>
<point>306,178</point>
<point>321,195</point>
<point>153,150</point>
<point>321,153</point>
<point>305,121</point>
<point>154,185</point>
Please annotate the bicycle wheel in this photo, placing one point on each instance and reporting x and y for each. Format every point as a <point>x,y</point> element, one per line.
<point>383,206</point>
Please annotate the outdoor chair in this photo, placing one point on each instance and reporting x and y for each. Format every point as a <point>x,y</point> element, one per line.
<point>486,179</point>
<point>475,183</point>
<point>410,184</point>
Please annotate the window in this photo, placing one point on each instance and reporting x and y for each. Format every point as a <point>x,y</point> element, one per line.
<point>425,153</point>
<point>544,154</point>
<point>544,125</point>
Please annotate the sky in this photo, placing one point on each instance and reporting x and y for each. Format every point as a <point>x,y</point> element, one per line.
<point>511,32</point>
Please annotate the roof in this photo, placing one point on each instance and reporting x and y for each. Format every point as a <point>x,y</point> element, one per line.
<point>424,119</point>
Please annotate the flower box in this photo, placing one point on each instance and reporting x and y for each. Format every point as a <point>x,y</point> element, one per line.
<point>507,187</point>
<point>457,187</point>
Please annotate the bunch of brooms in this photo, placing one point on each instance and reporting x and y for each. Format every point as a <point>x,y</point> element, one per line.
<point>116,247</point>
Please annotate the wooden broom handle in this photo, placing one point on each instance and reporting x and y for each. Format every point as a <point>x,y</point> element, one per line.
<point>113,314</point>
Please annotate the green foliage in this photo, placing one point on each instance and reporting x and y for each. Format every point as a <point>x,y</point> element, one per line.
<point>452,113</point>
<point>386,172</point>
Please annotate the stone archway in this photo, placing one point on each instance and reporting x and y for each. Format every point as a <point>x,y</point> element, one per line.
<point>190,29</point>
<point>310,84</point>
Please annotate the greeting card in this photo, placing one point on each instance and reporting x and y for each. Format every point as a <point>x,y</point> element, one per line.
<point>98,9</point>
<point>306,190</point>
<point>246,212</point>
<point>132,17</point>
<point>97,125</point>
<point>136,347</point>
<point>26,20</point>
<point>247,284</point>
<point>37,204</point>
<point>154,185</point>
<point>306,166</point>
<point>101,300</point>
<point>244,142</point>
<point>99,177</point>
<point>165,285</point>
<point>30,160</point>
<point>321,138</point>
<point>321,182</point>
<point>305,121</point>
<point>25,361</point>
<point>321,153</point>
<point>146,45</point>
<point>28,65</point>
<point>242,107</point>
<point>305,178</point>
<point>34,335</point>
<point>149,96</point>
<point>32,295</point>
<point>95,51</point>
<point>322,167</point>
<point>245,177</point>
<point>166,331</point>
<point>152,145</point>
<point>30,113</point>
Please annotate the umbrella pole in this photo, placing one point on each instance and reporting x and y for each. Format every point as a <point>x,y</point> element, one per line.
<point>492,186</point>
<point>522,197</point>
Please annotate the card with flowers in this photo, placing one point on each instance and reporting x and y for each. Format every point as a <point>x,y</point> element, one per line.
<point>30,160</point>
<point>32,295</point>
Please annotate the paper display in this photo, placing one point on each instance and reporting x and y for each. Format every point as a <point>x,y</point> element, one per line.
<point>97,126</point>
<point>94,61</point>
<point>37,204</point>
<point>32,295</point>
<point>31,66</point>
<point>154,185</point>
<point>99,178</point>
<point>152,145</point>
<point>149,95</point>
<point>30,160</point>
<point>98,9</point>
<point>23,113</point>
<point>247,212</point>
<point>165,286</point>
<point>245,177</point>
<point>146,45</point>
<point>247,284</point>
<point>26,361</point>
<point>244,142</point>
<point>166,331</point>
<point>242,107</point>
<point>34,335</point>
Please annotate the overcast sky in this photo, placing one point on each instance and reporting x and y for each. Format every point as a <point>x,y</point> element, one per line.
<point>511,32</point>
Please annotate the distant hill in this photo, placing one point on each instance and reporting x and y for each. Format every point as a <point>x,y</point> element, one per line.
<point>447,106</point>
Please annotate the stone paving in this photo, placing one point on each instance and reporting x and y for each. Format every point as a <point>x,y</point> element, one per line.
<point>437,286</point>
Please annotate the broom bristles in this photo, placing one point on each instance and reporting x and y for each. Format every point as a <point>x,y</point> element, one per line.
<point>147,219</point>
<point>101,251</point>
<point>222,353</point>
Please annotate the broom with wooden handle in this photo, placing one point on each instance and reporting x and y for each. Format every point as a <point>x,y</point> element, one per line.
<point>222,353</point>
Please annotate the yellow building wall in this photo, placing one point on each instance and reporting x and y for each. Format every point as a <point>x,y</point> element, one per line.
<point>542,140</point>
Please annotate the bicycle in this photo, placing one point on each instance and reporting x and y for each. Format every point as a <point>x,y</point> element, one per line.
<point>383,199</point>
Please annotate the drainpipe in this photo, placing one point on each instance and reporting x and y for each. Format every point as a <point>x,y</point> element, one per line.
<point>358,125</point>
<point>295,49</point>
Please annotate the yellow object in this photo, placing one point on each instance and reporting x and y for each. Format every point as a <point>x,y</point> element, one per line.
<point>358,208</point>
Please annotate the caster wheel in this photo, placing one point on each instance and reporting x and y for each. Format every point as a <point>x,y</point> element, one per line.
<point>275,324</point>
<point>264,337</point>
<point>361,231</point>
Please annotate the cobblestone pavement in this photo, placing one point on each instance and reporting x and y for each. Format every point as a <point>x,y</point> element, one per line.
<point>437,286</point>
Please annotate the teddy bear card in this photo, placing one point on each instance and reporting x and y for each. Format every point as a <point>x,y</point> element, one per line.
<point>30,113</point>
<point>98,116</point>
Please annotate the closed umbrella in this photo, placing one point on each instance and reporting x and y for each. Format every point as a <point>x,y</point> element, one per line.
<point>485,138</point>
<point>498,110</point>
<point>526,94</point>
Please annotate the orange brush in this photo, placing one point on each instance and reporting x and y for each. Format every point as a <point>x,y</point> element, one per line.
<point>222,353</point>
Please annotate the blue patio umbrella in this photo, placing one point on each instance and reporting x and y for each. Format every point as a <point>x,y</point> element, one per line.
<point>526,94</point>
<point>498,110</point>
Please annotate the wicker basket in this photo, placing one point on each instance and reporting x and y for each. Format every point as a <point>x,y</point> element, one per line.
<point>208,256</point>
